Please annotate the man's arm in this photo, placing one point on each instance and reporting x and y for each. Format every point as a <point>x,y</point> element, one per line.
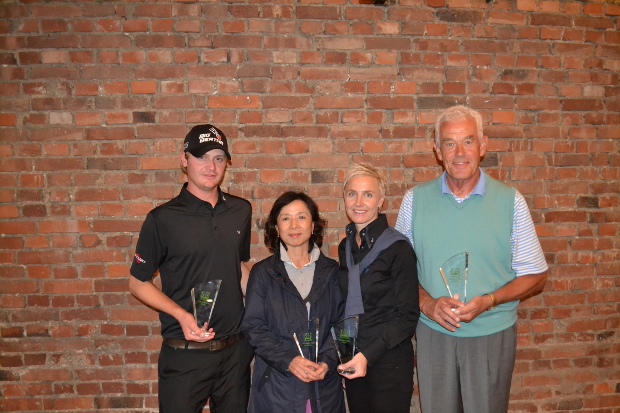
<point>245,276</point>
<point>152,296</point>
<point>517,289</point>
<point>528,262</point>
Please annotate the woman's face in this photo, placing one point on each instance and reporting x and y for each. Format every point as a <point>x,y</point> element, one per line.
<point>295,224</point>
<point>362,200</point>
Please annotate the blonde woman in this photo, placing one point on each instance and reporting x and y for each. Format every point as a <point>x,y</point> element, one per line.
<point>379,279</point>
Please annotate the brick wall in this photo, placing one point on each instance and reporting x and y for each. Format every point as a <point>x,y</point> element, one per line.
<point>95,98</point>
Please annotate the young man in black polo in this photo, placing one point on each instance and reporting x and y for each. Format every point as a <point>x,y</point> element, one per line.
<point>203,234</point>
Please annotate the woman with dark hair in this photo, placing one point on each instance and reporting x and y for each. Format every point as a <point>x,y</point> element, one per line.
<point>287,292</point>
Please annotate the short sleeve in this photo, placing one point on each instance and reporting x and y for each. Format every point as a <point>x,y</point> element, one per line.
<point>149,252</point>
<point>527,254</point>
<point>403,222</point>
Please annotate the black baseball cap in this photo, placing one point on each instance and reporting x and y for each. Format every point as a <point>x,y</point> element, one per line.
<point>203,138</point>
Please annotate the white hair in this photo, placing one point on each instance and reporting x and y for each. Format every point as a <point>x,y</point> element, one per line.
<point>458,112</point>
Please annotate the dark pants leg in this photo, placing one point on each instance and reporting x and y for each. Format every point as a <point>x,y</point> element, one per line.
<point>231,389</point>
<point>187,378</point>
<point>387,386</point>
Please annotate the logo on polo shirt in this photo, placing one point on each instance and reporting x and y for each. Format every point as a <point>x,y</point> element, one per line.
<point>139,259</point>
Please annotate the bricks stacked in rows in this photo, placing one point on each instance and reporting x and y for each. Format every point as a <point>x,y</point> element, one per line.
<point>95,98</point>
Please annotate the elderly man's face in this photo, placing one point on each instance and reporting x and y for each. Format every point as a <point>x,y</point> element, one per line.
<point>460,151</point>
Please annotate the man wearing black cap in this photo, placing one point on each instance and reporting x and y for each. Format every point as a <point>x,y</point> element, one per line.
<point>201,235</point>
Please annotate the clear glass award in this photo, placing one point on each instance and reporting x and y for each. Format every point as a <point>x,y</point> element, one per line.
<point>203,299</point>
<point>307,339</point>
<point>454,274</point>
<point>344,334</point>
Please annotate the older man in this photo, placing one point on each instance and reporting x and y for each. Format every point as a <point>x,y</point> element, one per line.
<point>467,345</point>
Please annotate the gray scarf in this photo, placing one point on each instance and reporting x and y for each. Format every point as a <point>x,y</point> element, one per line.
<point>355,305</point>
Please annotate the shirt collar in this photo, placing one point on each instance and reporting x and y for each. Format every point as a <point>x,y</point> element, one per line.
<point>193,202</point>
<point>370,233</point>
<point>479,189</point>
<point>314,255</point>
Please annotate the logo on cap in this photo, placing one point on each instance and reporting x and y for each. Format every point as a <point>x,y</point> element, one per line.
<point>202,138</point>
<point>206,137</point>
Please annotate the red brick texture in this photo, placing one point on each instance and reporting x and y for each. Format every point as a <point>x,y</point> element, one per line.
<point>95,98</point>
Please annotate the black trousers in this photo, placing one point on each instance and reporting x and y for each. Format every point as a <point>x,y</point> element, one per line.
<point>187,378</point>
<point>387,386</point>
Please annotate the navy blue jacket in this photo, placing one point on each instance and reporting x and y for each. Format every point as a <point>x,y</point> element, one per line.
<point>274,311</point>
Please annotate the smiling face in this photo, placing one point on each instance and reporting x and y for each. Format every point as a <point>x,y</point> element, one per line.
<point>460,150</point>
<point>204,174</point>
<point>362,200</point>
<point>294,225</point>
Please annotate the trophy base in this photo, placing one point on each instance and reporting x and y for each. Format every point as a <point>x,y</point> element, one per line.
<point>347,371</point>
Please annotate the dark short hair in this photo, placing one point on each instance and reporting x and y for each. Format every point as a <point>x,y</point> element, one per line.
<point>271,234</point>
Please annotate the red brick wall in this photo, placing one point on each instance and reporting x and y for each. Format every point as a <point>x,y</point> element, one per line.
<point>95,98</point>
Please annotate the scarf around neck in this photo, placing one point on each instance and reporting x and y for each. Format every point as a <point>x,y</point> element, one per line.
<point>354,305</point>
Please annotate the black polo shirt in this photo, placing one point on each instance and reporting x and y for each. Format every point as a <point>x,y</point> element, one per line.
<point>190,242</point>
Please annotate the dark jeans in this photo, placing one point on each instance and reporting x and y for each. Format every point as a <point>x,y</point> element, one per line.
<point>187,378</point>
<point>387,386</point>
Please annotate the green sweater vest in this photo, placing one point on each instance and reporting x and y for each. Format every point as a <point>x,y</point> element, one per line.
<point>481,226</point>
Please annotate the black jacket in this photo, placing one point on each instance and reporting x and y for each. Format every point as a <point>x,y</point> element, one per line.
<point>389,290</point>
<point>274,310</point>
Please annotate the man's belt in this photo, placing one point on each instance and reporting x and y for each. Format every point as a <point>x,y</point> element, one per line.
<point>213,345</point>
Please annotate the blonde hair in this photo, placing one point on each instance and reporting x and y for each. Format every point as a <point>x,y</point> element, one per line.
<point>458,112</point>
<point>365,169</point>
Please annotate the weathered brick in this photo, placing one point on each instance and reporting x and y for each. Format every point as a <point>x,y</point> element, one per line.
<point>460,16</point>
<point>317,12</point>
<point>218,102</point>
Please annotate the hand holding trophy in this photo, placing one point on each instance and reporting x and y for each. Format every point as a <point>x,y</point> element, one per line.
<point>204,296</point>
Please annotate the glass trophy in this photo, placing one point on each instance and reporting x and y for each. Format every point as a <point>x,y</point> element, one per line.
<point>307,339</point>
<point>454,274</point>
<point>203,299</point>
<point>344,334</point>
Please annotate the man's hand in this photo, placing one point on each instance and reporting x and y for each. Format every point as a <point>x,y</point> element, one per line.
<point>152,296</point>
<point>192,332</point>
<point>442,310</point>
<point>359,363</point>
<point>474,308</point>
<point>306,370</point>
